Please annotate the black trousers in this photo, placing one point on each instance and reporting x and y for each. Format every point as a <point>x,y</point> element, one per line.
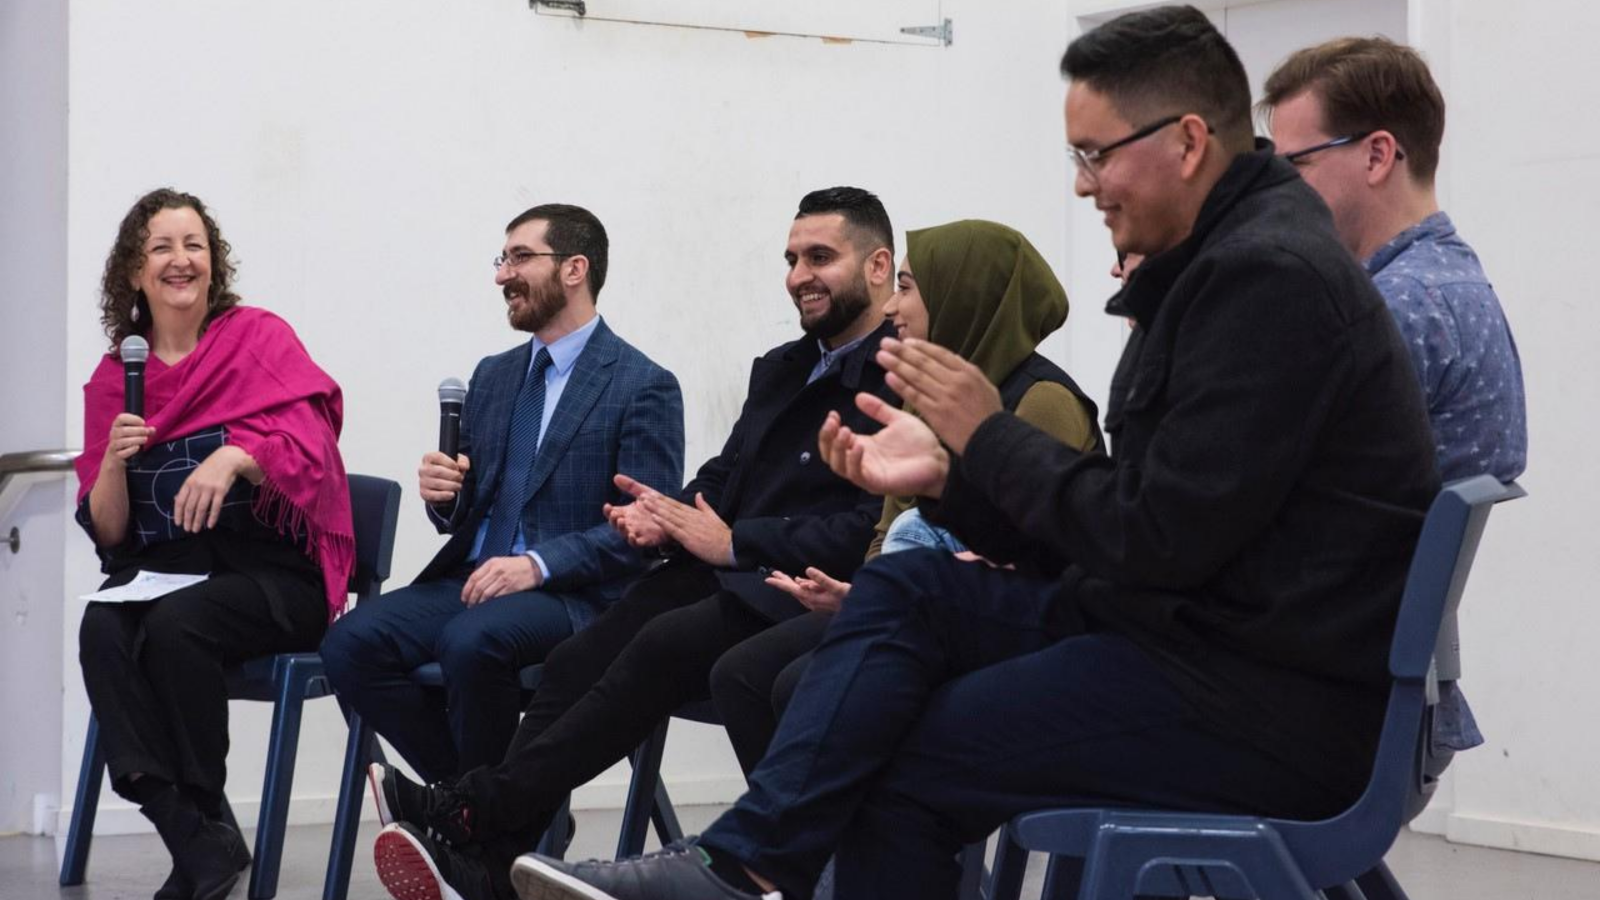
<point>752,683</point>
<point>154,672</point>
<point>604,691</point>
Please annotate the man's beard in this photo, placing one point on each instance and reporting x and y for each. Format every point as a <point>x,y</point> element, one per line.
<point>540,304</point>
<point>843,310</point>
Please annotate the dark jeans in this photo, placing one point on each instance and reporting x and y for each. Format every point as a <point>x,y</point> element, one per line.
<point>752,683</point>
<point>605,690</point>
<point>369,653</point>
<point>154,673</point>
<point>943,701</point>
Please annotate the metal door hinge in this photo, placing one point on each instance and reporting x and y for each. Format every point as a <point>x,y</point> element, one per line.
<point>944,33</point>
<point>573,6</point>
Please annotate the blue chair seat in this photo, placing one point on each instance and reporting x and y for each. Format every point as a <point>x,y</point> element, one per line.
<point>1099,854</point>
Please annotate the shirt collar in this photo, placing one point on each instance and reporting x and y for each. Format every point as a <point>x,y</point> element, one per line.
<point>828,356</point>
<point>1435,227</point>
<point>565,350</point>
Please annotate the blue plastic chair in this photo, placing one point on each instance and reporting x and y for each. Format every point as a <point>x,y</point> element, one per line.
<point>1123,853</point>
<point>286,680</point>
<point>647,800</point>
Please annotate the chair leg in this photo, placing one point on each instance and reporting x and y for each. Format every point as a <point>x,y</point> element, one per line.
<point>85,801</point>
<point>1010,865</point>
<point>1063,878</point>
<point>1378,883</point>
<point>973,873</point>
<point>1347,891</point>
<point>553,843</point>
<point>347,816</point>
<point>636,814</point>
<point>664,816</point>
<point>291,680</point>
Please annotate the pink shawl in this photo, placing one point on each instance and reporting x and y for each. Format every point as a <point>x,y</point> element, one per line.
<point>249,373</point>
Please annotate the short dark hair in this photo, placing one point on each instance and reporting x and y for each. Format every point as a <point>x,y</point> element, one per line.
<point>124,310</point>
<point>1364,84</point>
<point>862,211</point>
<point>573,231</point>
<point>1166,61</point>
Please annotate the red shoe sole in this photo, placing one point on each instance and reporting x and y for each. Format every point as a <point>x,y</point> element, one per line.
<point>406,869</point>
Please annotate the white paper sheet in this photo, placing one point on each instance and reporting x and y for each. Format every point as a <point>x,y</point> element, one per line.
<point>145,586</point>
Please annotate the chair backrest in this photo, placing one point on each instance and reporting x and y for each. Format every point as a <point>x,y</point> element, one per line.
<point>375,507</point>
<point>1438,574</point>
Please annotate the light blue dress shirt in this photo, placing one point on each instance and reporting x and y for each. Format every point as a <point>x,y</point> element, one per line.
<point>564,353</point>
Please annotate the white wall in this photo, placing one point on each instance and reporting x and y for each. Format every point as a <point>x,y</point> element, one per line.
<point>363,159</point>
<point>33,335</point>
<point>1524,189</point>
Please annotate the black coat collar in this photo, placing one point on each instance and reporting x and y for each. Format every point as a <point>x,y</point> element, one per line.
<point>1150,283</point>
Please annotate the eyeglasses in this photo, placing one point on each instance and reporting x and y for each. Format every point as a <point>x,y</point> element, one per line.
<point>1090,161</point>
<point>1299,155</point>
<point>518,258</point>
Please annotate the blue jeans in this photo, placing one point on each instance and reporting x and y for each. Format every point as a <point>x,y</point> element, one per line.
<point>910,531</point>
<point>945,699</point>
<point>369,652</point>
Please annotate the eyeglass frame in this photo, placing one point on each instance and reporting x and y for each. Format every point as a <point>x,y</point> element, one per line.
<point>520,257</point>
<point>1341,141</point>
<point>1089,161</point>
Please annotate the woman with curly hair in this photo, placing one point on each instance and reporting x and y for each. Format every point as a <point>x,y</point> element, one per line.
<point>234,474</point>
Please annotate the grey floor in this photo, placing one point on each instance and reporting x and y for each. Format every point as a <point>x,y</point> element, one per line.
<point>132,867</point>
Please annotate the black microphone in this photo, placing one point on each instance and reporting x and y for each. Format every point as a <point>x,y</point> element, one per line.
<point>134,352</point>
<point>452,393</point>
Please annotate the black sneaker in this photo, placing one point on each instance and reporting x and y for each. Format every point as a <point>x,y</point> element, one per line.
<point>413,866</point>
<point>678,872</point>
<point>438,809</point>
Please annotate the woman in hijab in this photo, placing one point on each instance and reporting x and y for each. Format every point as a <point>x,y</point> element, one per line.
<point>982,290</point>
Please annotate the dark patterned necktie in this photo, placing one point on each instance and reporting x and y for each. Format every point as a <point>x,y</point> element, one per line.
<point>522,445</point>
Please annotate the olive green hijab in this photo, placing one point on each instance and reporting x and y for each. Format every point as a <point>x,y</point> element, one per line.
<point>990,296</point>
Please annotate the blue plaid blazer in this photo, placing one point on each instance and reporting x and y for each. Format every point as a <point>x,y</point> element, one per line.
<point>620,412</point>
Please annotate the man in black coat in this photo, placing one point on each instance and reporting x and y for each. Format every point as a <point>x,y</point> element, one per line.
<point>1212,632</point>
<point>767,501</point>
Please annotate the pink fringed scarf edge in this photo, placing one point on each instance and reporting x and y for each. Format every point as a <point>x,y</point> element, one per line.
<point>332,552</point>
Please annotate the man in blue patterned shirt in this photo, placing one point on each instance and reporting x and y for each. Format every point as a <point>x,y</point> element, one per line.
<point>1362,119</point>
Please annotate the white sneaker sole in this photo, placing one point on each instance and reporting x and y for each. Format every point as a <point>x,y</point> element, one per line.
<point>406,869</point>
<point>534,880</point>
<point>375,773</point>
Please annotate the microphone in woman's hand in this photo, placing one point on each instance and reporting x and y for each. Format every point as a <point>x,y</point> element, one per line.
<point>134,352</point>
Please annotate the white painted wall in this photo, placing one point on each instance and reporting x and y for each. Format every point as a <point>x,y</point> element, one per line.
<point>363,158</point>
<point>33,335</point>
<point>1524,189</point>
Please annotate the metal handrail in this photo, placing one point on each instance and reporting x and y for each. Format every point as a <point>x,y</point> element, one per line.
<point>20,471</point>
<point>36,461</point>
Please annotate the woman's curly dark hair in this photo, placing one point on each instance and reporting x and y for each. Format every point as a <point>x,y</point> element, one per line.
<point>124,310</point>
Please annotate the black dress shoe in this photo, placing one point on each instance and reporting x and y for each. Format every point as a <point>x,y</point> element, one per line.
<point>205,853</point>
